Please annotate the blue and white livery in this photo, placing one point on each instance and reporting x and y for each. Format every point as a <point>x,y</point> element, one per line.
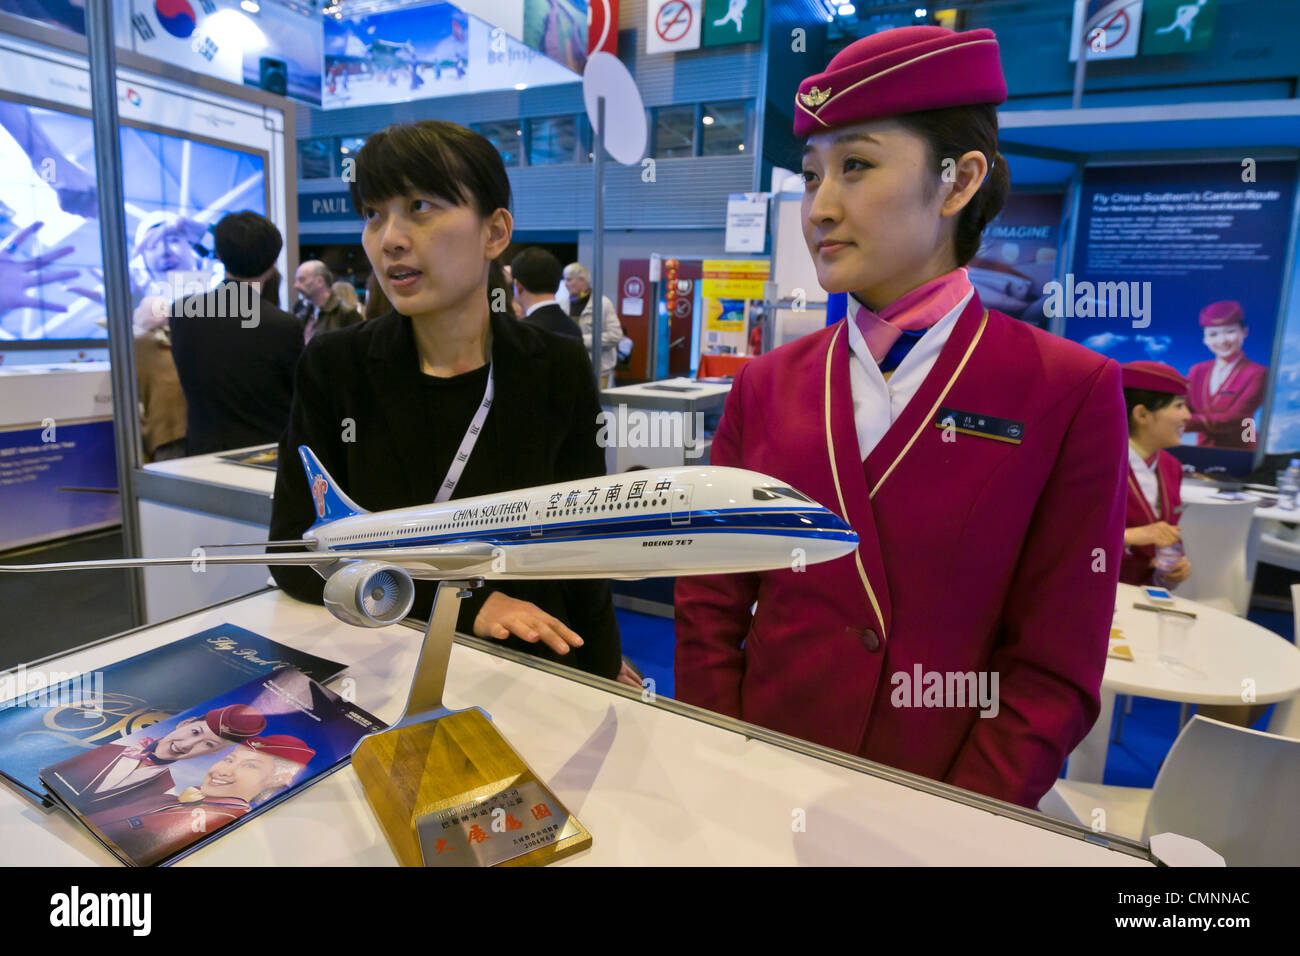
<point>652,523</point>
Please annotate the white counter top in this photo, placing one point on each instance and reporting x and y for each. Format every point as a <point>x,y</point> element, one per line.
<point>653,786</point>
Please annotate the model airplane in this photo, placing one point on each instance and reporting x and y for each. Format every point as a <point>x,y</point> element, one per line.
<point>664,521</point>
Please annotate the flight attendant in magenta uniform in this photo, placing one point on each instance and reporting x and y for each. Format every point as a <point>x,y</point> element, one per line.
<point>980,460</point>
<point>1155,398</point>
<point>1225,391</point>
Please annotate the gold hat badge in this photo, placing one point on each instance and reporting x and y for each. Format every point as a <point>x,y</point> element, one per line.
<point>814,97</point>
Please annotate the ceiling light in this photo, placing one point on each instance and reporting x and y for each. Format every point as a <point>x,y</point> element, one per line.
<point>521,86</point>
<point>846,9</point>
<point>249,5</point>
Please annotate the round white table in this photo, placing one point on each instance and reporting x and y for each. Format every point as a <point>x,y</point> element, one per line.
<point>1233,655</point>
<point>1195,491</point>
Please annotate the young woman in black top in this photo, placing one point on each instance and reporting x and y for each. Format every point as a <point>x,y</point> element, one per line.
<point>385,404</point>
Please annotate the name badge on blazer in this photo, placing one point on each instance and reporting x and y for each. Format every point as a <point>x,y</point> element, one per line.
<point>982,426</point>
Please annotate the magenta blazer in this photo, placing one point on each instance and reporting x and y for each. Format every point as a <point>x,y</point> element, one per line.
<point>977,553</point>
<point>1218,417</point>
<point>1136,567</point>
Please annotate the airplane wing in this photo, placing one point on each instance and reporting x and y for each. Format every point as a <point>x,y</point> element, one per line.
<point>449,557</point>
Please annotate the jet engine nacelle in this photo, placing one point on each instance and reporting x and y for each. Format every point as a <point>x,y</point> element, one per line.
<point>369,594</point>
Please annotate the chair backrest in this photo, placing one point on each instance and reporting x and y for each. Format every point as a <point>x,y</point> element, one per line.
<point>1278,550</point>
<point>1236,790</point>
<point>1286,713</point>
<point>1214,537</point>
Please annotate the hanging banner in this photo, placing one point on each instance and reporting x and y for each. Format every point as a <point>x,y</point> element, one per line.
<point>431,50</point>
<point>272,48</point>
<point>734,278</point>
<point>558,28</point>
<point>602,27</point>
<point>1183,264</point>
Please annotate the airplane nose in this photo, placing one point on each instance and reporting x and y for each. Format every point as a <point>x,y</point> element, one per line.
<point>834,522</point>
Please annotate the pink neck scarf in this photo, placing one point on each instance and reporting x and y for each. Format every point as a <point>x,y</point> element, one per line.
<point>919,309</point>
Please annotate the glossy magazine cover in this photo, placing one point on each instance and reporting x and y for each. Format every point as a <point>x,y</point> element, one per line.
<point>48,716</point>
<point>161,793</point>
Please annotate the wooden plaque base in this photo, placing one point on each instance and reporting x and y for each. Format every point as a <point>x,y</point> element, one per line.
<point>414,770</point>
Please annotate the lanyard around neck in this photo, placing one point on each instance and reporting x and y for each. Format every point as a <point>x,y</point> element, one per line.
<point>467,443</point>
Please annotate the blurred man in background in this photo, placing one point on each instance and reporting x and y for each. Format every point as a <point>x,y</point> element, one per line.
<point>235,351</point>
<point>537,275</point>
<point>319,308</point>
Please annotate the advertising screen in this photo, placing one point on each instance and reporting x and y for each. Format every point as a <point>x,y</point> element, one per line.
<point>175,189</point>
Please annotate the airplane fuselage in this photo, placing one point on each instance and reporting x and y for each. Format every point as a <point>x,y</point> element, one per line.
<point>634,525</point>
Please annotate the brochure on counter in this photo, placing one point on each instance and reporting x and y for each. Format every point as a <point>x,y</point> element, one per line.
<point>160,794</point>
<point>267,458</point>
<point>45,726</point>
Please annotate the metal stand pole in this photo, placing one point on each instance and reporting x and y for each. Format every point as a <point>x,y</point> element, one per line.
<point>1081,64</point>
<point>430,676</point>
<point>102,59</point>
<point>652,337</point>
<point>598,246</point>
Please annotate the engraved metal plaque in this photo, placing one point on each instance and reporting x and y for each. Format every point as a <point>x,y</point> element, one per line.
<point>495,828</point>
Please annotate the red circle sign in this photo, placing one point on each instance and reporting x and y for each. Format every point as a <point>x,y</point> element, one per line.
<point>674,20</point>
<point>1120,21</point>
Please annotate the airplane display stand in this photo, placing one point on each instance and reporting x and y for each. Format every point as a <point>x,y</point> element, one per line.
<point>446,786</point>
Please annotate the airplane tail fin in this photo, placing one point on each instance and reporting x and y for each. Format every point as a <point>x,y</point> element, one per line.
<point>331,503</point>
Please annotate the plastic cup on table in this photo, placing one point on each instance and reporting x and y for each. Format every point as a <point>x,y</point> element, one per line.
<point>1176,643</point>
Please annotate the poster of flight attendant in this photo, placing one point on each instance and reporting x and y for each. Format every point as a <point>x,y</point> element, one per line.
<point>1183,264</point>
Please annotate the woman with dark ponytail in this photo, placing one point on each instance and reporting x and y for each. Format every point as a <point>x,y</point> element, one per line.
<point>980,460</point>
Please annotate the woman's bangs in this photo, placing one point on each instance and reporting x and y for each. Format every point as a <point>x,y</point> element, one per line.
<point>400,162</point>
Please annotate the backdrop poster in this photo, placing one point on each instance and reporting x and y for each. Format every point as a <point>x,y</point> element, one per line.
<point>1017,258</point>
<point>1161,246</point>
<point>51,489</point>
<point>1284,415</point>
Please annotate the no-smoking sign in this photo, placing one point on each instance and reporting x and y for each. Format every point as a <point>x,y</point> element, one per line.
<point>672,25</point>
<point>674,20</point>
<point>1112,28</point>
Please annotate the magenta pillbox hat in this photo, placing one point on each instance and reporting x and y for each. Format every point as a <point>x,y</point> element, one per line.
<point>1222,313</point>
<point>1154,377</point>
<point>905,70</point>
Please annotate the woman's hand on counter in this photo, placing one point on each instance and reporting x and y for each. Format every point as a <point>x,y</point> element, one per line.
<point>502,615</point>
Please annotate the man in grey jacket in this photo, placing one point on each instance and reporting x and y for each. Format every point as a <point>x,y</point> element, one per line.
<point>577,280</point>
